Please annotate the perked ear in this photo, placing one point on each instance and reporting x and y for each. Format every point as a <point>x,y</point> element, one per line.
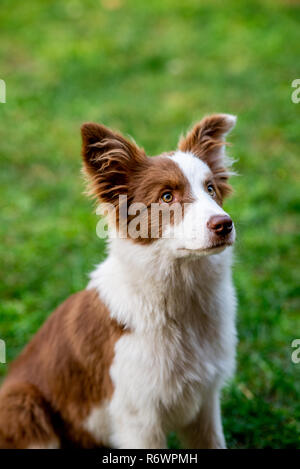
<point>109,159</point>
<point>206,140</point>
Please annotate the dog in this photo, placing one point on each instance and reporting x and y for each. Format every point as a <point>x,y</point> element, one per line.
<point>146,348</point>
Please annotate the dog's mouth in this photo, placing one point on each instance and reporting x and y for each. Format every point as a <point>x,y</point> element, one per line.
<point>212,249</point>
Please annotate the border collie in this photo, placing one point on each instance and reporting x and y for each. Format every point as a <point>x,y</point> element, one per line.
<point>146,348</point>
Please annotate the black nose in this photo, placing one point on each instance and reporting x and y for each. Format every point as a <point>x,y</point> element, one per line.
<point>220,224</point>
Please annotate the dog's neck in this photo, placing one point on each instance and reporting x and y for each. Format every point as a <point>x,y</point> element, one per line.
<point>144,286</point>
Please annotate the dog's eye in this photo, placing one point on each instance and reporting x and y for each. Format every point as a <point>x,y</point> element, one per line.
<point>167,197</point>
<point>211,189</point>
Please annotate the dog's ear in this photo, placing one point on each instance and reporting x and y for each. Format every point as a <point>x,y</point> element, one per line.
<point>109,159</point>
<point>206,140</point>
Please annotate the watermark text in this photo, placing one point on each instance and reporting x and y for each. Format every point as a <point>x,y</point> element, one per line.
<point>296,353</point>
<point>2,351</point>
<point>2,91</point>
<point>295,96</point>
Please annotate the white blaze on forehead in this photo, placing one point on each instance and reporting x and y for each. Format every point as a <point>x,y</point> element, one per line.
<point>195,170</point>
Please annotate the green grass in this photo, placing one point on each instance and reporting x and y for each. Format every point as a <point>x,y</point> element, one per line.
<point>151,69</point>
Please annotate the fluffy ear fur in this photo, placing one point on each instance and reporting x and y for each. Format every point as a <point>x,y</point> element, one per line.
<point>206,140</point>
<point>109,161</point>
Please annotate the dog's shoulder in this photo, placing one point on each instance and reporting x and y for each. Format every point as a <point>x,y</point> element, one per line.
<point>80,326</point>
<point>69,358</point>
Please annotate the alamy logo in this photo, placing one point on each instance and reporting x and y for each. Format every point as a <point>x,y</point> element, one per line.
<point>2,91</point>
<point>138,220</point>
<point>296,353</point>
<point>2,351</point>
<point>295,97</point>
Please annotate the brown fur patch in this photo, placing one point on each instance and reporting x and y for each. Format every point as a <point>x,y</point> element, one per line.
<point>206,141</point>
<point>109,161</point>
<point>60,376</point>
<point>162,175</point>
<point>117,167</point>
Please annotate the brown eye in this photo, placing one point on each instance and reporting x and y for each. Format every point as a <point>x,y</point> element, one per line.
<point>211,189</point>
<point>167,197</point>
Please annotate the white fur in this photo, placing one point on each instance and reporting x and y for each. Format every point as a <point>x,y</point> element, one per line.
<point>180,309</point>
<point>98,424</point>
<point>53,444</point>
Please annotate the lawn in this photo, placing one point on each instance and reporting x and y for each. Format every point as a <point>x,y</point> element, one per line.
<point>150,69</point>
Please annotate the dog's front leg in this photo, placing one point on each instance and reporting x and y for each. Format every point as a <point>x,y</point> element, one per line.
<point>205,431</point>
<point>135,433</point>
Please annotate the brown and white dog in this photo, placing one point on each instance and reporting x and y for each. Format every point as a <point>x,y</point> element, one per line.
<point>147,346</point>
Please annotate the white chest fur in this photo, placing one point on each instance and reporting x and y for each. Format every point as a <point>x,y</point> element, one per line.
<point>182,339</point>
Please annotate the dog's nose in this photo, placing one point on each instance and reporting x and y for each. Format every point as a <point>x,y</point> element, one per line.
<point>220,224</point>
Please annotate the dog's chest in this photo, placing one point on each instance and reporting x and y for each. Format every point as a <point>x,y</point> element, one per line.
<point>157,378</point>
<point>166,369</point>
<point>177,346</point>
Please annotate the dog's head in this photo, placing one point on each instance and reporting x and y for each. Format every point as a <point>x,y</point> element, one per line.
<point>174,199</point>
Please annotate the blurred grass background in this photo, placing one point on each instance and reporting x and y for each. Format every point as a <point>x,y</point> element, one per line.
<point>150,69</point>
